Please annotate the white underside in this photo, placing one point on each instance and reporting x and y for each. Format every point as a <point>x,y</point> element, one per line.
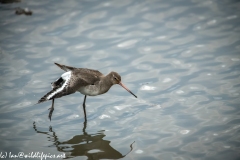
<point>66,76</point>
<point>90,90</point>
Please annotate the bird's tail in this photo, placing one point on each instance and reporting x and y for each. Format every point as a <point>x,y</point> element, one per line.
<point>65,68</point>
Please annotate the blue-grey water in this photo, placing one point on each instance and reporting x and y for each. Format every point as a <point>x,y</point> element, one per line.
<point>180,57</point>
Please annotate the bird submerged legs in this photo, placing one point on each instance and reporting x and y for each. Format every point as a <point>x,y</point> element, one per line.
<point>84,107</point>
<point>51,110</point>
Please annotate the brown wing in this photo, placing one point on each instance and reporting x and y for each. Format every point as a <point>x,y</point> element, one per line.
<point>81,71</point>
<point>64,67</point>
<point>80,77</point>
<point>89,76</point>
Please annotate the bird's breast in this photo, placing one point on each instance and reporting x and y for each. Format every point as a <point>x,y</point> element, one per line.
<point>90,90</point>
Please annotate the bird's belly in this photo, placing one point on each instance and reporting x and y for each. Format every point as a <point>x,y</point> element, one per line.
<point>90,90</point>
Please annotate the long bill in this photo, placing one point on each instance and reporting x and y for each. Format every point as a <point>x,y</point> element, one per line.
<point>120,83</point>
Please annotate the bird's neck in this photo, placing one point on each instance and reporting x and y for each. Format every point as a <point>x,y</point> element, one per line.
<point>105,83</point>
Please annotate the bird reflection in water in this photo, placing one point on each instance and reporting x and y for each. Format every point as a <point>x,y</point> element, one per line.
<point>92,146</point>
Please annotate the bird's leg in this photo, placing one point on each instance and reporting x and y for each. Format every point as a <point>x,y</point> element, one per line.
<point>51,110</point>
<point>84,126</point>
<point>84,107</point>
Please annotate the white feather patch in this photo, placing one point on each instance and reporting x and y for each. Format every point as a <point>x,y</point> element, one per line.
<point>66,76</point>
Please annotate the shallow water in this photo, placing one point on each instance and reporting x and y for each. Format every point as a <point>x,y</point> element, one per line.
<point>181,58</point>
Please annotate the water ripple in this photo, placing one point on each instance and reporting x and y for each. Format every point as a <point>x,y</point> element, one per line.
<point>180,58</point>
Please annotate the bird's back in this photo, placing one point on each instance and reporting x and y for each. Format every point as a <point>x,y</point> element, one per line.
<point>71,81</point>
<point>90,76</point>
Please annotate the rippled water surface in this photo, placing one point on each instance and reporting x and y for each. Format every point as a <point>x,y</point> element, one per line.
<point>180,57</point>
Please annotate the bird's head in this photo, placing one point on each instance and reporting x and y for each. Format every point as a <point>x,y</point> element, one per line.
<point>116,79</point>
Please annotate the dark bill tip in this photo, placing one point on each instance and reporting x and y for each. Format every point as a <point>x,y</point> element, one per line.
<point>120,83</point>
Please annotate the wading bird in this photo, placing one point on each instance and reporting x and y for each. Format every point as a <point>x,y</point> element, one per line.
<point>89,82</point>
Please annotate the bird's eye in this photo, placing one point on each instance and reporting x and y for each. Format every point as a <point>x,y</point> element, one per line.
<point>115,78</point>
